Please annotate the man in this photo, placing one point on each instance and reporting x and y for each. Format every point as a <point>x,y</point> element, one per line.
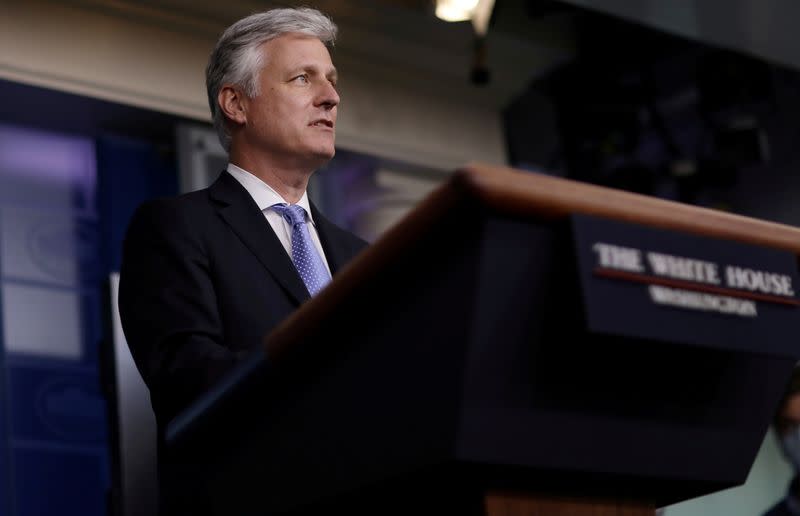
<point>206,275</point>
<point>787,428</point>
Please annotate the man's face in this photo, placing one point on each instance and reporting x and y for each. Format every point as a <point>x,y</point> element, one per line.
<point>293,119</point>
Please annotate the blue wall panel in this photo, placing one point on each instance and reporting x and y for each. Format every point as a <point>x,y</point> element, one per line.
<point>129,173</point>
<point>50,313</point>
<point>59,482</point>
<point>57,404</point>
<point>65,203</point>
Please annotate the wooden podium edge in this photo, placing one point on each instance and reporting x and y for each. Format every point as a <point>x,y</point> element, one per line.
<point>532,194</point>
<point>525,194</point>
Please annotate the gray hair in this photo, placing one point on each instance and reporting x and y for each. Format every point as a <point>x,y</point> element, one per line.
<point>236,59</point>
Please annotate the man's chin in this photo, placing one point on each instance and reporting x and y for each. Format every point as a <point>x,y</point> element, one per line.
<point>321,157</point>
<point>326,152</point>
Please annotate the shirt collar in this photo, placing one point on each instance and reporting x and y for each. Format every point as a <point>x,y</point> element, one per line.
<point>264,195</point>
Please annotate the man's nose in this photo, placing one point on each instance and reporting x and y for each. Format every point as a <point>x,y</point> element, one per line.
<point>328,96</point>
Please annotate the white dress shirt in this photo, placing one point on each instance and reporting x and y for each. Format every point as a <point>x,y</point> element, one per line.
<point>265,197</point>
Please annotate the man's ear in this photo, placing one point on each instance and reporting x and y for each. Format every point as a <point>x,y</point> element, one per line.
<point>231,102</point>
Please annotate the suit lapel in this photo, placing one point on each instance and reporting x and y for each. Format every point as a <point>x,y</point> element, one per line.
<point>336,255</point>
<point>241,213</point>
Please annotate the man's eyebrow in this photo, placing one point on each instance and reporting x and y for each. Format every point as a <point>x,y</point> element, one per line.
<point>331,73</point>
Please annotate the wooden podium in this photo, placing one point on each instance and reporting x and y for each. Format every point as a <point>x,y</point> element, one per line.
<point>469,363</point>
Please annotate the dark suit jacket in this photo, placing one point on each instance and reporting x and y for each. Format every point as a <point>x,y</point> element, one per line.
<point>203,279</point>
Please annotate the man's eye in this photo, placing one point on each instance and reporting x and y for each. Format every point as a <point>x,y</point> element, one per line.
<point>303,79</point>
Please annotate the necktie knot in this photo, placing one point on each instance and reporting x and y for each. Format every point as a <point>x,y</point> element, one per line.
<point>293,213</point>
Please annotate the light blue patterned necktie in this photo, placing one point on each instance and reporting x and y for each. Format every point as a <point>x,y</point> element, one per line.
<point>305,256</point>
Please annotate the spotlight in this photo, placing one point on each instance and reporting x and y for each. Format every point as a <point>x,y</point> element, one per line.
<point>455,10</point>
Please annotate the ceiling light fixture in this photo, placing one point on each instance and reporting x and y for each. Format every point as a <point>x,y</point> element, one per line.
<point>478,11</point>
<point>455,10</point>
